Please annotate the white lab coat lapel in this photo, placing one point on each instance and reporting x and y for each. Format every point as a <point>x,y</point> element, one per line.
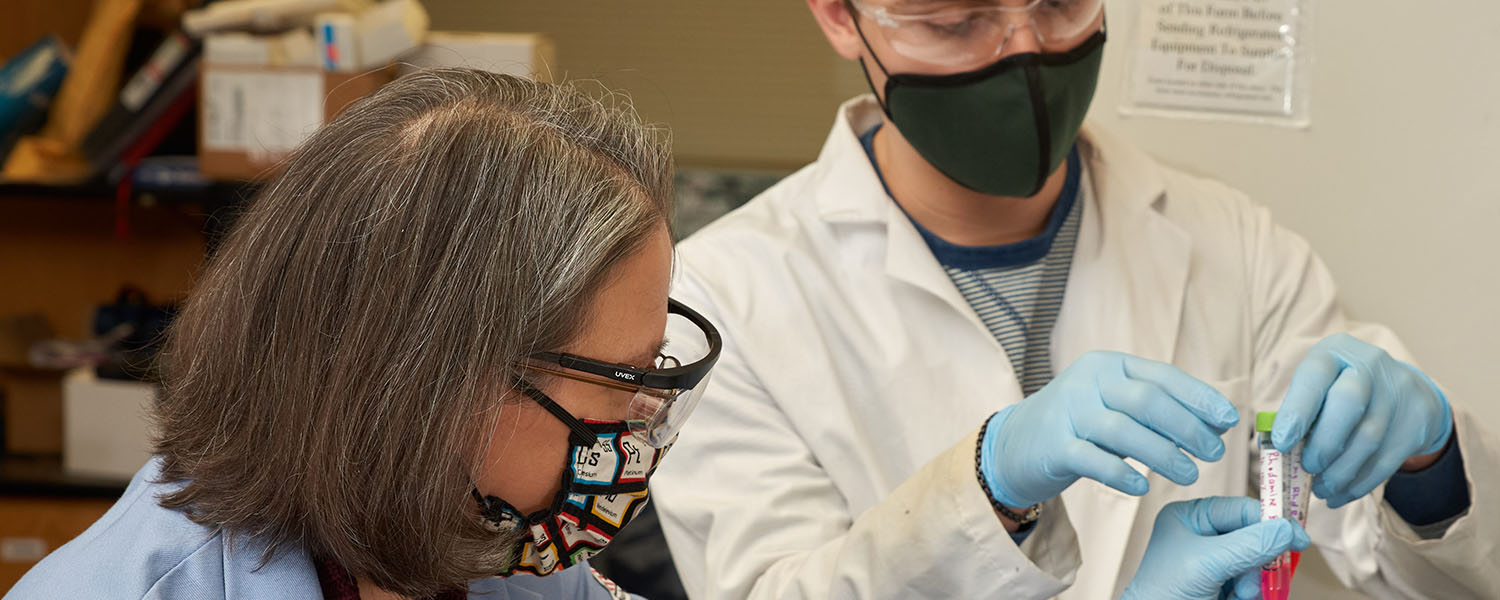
<point>1130,260</point>
<point>908,259</point>
<point>851,193</point>
<point>1130,267</point>
<point>1125,293</point>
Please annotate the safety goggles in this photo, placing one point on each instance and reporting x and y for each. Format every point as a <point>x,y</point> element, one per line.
<point>663,396</point>
<point>958,33</point>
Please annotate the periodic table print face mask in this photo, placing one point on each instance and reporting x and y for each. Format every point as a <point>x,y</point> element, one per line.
<point>603,488</point>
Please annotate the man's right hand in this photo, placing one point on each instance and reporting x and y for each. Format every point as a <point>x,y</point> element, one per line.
<point>1103,408</point>
<point>1211,548</point>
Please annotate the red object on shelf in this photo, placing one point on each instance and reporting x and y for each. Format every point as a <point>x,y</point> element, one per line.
<point>142,147</point>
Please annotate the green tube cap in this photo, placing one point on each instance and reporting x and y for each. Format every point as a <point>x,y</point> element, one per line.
<point>1264,420</point>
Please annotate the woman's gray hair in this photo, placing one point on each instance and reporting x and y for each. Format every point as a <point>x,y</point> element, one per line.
<point>334,377</point>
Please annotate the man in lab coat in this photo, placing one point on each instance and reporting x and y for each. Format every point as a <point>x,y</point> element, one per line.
<point>970,349</point>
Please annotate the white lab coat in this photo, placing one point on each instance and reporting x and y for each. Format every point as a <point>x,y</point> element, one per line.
<point>833,453</point>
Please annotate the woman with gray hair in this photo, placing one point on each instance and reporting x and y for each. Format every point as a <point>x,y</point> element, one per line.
<point>428,354</point>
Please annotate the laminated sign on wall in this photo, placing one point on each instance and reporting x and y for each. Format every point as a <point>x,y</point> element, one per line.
<point>1221,59</point>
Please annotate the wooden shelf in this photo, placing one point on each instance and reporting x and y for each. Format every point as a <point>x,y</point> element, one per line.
<point>41,190</point>
<point>212,193</point>
<point>44,476</point>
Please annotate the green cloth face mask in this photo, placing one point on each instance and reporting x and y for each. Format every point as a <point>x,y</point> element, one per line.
<point>1000,130</point>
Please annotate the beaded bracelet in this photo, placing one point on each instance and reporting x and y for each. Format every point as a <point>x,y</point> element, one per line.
<point>1027,517</point>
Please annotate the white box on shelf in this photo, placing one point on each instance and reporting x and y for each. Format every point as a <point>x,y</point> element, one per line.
<point>105,429</point>
<point>390,29</point>
<point>520,54</point>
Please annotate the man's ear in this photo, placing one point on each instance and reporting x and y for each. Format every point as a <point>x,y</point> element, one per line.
<point>837,22</point>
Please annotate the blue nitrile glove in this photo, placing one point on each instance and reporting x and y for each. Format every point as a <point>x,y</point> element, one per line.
<point>1368,413</point>
<point>1105,407</point>
<point>1210,548</point>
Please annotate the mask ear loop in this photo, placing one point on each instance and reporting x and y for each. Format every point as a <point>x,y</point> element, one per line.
<point>579,434</point>
<point>854,17</point>
<point>494,516</point>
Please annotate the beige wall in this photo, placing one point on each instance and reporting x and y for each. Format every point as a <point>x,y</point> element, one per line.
<point>742,83</point>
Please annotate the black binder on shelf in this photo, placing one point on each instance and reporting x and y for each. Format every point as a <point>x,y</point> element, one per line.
<point>170,73</point>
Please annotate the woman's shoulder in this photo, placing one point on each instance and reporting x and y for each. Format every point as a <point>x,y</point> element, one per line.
<point>578,582</point>
<point>140,549</point>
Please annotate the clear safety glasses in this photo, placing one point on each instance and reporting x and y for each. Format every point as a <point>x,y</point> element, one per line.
<point>663,397</point>
<point>958,33</point>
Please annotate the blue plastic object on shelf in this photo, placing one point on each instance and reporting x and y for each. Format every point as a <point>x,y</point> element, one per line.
<point>28,82</point>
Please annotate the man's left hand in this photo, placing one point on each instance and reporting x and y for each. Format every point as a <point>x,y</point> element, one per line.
<point>1368,415</point>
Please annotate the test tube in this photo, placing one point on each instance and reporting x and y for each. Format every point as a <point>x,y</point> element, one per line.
<point>1275,576</point>
<point>1298,487</point>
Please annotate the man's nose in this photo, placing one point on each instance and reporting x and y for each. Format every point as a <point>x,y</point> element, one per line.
<point>1021,37</point>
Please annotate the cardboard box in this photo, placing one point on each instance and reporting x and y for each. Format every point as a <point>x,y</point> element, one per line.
<point>521,54</point>
<point>251,118</point>
<point>295,48</point>
<point>107,427</point>
<point>33,409</point>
